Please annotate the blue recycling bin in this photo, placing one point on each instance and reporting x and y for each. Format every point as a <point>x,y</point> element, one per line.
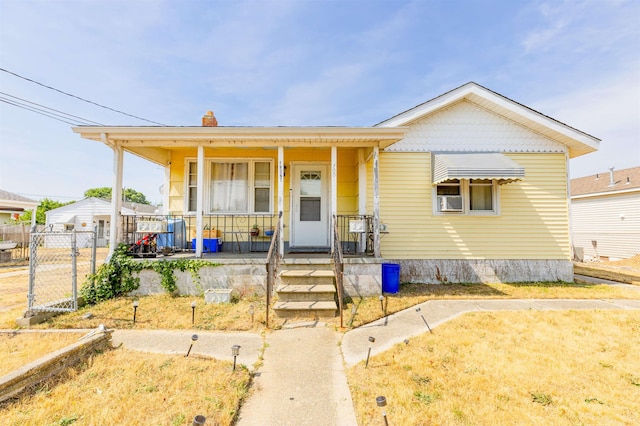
<point>390,278</point>
<point>174,238</point>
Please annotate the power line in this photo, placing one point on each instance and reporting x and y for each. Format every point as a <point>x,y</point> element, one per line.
<point>40,108</point>
<point>28,108</point>
<point>78,97</point>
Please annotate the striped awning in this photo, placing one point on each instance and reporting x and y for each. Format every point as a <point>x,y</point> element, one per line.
<point>477,165</point>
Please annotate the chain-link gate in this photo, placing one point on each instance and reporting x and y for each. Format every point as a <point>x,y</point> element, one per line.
<point>58,261</point>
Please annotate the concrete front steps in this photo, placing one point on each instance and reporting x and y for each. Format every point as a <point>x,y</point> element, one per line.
<point>306,291</point>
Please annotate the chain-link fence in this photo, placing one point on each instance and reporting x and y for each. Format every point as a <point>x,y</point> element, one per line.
<point>57,262</point>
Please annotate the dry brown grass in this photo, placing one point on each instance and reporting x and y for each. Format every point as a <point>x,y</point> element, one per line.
<point>17,350</point>
<point>165,312</point>
<point>120,387</point>
<point>573,367</point>
<point>369,309</point>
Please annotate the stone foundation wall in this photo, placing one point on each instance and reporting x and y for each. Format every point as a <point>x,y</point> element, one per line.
<point>484,271</point>
<point>244,278</point>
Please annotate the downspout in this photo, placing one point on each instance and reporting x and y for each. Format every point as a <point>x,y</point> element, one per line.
<point>376,203</point>
<point>571,243</point>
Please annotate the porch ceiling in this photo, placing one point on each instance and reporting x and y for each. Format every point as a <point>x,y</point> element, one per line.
<point>151,142</point>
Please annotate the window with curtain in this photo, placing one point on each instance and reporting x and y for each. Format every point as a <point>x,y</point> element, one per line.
<point>243,186</point>
<point>192,187</point>
<point>229,187</point>
<point>262,187</point>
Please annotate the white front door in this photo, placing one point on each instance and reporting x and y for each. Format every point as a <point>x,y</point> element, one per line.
<point>310,205</point>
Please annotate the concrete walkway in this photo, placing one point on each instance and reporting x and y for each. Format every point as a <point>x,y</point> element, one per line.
<point>302,379</point>
<point>210,343</point>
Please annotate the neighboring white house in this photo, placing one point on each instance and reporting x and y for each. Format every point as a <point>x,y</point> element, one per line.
<point>13,205</point>
<point>86,214</point>
<point>605,214</point>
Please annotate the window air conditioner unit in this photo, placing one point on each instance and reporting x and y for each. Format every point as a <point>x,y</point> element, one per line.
<point>450,203</point>
<point>151,226</point>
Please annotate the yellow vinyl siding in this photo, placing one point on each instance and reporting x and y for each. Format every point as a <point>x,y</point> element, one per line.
<point>347,184</point>
<point>532,222</point>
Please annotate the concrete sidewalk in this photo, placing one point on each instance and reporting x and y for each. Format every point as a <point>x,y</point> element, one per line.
<point>210,343</point>
<point>301,383</point>
<point>302,380</point>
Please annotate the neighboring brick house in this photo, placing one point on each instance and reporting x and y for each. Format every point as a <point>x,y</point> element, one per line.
<point>605,214</point>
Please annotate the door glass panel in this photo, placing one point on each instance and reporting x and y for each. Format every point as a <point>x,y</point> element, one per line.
<point>310,184</point>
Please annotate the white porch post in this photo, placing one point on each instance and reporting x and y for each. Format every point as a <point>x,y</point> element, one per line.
<point>362,194</point>
<point>376,203</point>
<point>334,192</point>
<point>116,195</point>
<point>166,190</point>
<point>200,200</point>
<point>281,199</point>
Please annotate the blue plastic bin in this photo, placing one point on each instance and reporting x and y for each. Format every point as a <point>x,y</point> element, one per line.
<point>209,245</point>
<point>390,278</point>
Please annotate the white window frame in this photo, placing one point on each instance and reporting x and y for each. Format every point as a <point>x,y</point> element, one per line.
<point>466,200</point>
<point>250,189</point>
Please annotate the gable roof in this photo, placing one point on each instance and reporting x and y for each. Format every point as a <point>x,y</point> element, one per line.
<point>578,142</point>
<point>624,180</point>
<point>97,205</point>
<point>15,202</point>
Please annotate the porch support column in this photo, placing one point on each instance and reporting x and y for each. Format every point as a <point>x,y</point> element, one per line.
<point>199,200</point>
<point>116,195</point>
<point>362,195</point>
<point>334,192</point>
<point>166,190</point>
<point>376,203</point>
<point>281,200</point>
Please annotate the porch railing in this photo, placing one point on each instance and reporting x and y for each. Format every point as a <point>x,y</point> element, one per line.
<point>338,265</point>
<point>355,233</point>
<point>241,233</point>
<point>273,263</point>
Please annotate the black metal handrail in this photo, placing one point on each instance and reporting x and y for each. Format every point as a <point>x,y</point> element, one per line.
<point>273,263</point>
<point>242,232</point>
<point>338,265</point>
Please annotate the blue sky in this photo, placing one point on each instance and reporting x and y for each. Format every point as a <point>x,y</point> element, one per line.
<point>278,62</point>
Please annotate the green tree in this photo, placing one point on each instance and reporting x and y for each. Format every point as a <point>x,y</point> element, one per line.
<point>45,205</point>
<point>128,194</point>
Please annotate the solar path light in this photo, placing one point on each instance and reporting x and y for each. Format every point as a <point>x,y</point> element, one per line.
<point>193,312</point>
<point>381,303</point>
<point>419,310</point>
<point>135,311</point>
<point>381,401</point>
<point>372,340</point>
<point>194,339</point>
<point>252,310</point>
<point>235,351</point>
<point>199,420</point>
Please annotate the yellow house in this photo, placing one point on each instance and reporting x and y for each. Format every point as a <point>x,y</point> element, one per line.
<point>468,187</point>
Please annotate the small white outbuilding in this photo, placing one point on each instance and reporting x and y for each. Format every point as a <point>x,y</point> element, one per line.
<point>86,214</point>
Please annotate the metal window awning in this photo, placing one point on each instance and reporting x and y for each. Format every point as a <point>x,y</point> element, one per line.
<point>476,165</point>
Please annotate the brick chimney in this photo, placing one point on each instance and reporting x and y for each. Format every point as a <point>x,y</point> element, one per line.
<point>209,120</point>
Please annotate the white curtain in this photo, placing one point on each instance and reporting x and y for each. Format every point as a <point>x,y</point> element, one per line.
<point>229,187</point>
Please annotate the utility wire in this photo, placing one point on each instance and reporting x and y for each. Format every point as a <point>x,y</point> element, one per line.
<point>28,108</point>
<point>78,97</point>
<point>51,109</point>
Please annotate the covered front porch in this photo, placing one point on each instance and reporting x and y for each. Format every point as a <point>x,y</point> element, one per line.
<point>228,190</point>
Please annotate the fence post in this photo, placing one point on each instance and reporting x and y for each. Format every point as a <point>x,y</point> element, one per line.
<point>33,236</point>
<point>74,270</point>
